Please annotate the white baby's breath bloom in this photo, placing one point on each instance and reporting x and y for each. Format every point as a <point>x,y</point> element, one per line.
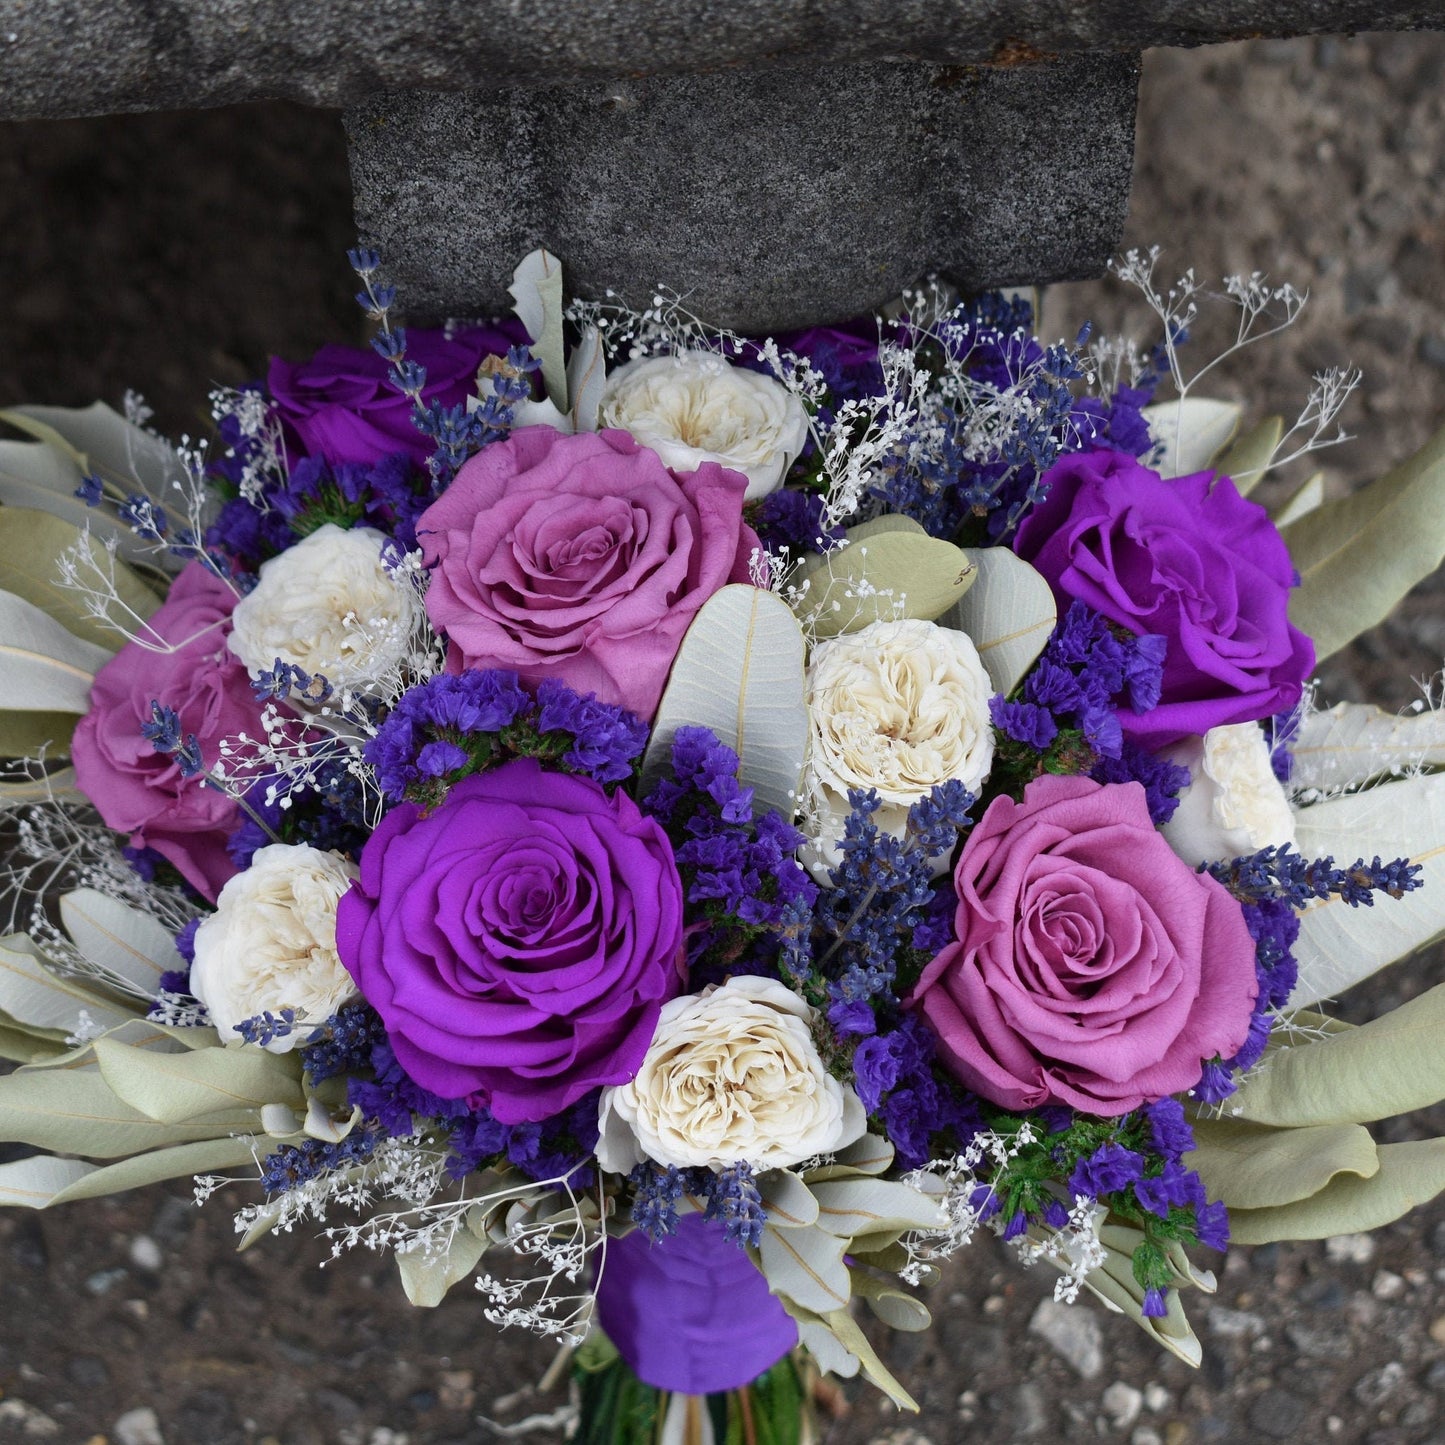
<point>731,1074</point>
<point>898,707</point>
<point>271,943</point>
<point>694,407</point>
<point>330,606</point>
<point>1235,805</point>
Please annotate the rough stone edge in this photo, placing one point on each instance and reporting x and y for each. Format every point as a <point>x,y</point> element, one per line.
<point>99,57</point>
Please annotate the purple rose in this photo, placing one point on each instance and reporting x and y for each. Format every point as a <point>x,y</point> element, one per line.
<point>1188,559</point>
<point>1093,967</point>
<point>580,557</point>
<point>341,404</point>
<point>519,941</point>
<point>140,791</point>
<point>692,1312</point>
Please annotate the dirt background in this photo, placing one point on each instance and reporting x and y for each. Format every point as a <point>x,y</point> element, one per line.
<point>167,252</point>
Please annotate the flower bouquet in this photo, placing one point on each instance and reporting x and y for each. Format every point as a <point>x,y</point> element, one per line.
<point>678,829</point>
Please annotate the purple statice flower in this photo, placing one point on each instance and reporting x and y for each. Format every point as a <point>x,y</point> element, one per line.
<point>792,521</point>
<point>1162,780</point>
<point>1107,1170</point>
<point>1174,1188</point>
<point>1088,672</point>
<point>853,1016</point>
<point>748,900</point>
<point>447,708</point>
<point>1169,1130</point>
<point>1024,722</point>
<point>607,739</point>
<point>882,1061</point>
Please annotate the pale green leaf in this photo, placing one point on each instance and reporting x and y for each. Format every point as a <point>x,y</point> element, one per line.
<point>1303,500</point>
<point>846,1331</point>
<point>141,1033</point>
<point>426,1278</point>
<point>33,994</point>
<point>898,1309</point>
<point>1115,1285</point>
<point>1354,742</point>
<point>46,668</point>
<point>45,477</point>
<point>1247,458</point>
<point>883,573</point>
<point>1339,945</point>
<point>120,939</point>
<point>1191,432</point>
<point>848,1207</point>
<point>25,734</point>
<point>1359,555</point>
<point>44,1180</point>
<point>1253,1166</point>
<point>537,299</point>
<point>99,440</point>
<point>789,1202</point>
<point>29,1046</point>
<point>1409,1174</point>
<point>739,672</point>
<point>73,1111</point>
<point>869,1155</point>
<point>31,546</point>
<point>807,1266</point>
<point>828,1354</point>
<point>1389,1066</point>
<point>1009,613</point>
<point>179,1088</point>
<point>586,380</point>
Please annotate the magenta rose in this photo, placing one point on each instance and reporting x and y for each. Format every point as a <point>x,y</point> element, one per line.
<point>1093,967</point>
<point>140,791</point>
<point>519,941</point>
<point>341,404</point>
<point>580,557</point>
<point>1189,559</point>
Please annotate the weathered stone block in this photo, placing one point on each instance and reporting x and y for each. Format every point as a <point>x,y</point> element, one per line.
<point>768,198</point>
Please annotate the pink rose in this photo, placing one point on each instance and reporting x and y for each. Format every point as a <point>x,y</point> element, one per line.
<point>140,791</point>
<point>580,557</point>
<point>1093,967</point>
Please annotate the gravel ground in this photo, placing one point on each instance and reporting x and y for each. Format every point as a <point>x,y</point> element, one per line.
<point>164,252</point>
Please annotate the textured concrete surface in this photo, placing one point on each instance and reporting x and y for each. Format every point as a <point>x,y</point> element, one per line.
<point>768,199</point>
<point>94,57</point>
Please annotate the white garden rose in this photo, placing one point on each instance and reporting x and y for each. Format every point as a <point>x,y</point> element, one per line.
<point>271,943</point>
<point>695,407</point>
<point>898,707</point>
<point>330,606</point>
<point>731,1074</point>
<point>1235,806</point>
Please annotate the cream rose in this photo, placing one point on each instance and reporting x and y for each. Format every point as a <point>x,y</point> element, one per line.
<point>731,1074</point>
<point>330,606</point>
<point>1235,806</point>
<point>898,707</point>
<point>271,943</point>
<point>695,407</point>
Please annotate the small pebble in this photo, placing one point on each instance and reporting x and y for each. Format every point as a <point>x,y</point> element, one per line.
<point>1437,1330</point>
<point>1350,1249</point>
<point>1074,1333</point>
<point>138,1427</point>
<point>145,1254</point>
<point>1232,1324</point>
<point>1156,1398</point>
<point>34,1424</point>
<point>1122,1404</point>
<point>1146,1435</point>
<point>1387,1285</point>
